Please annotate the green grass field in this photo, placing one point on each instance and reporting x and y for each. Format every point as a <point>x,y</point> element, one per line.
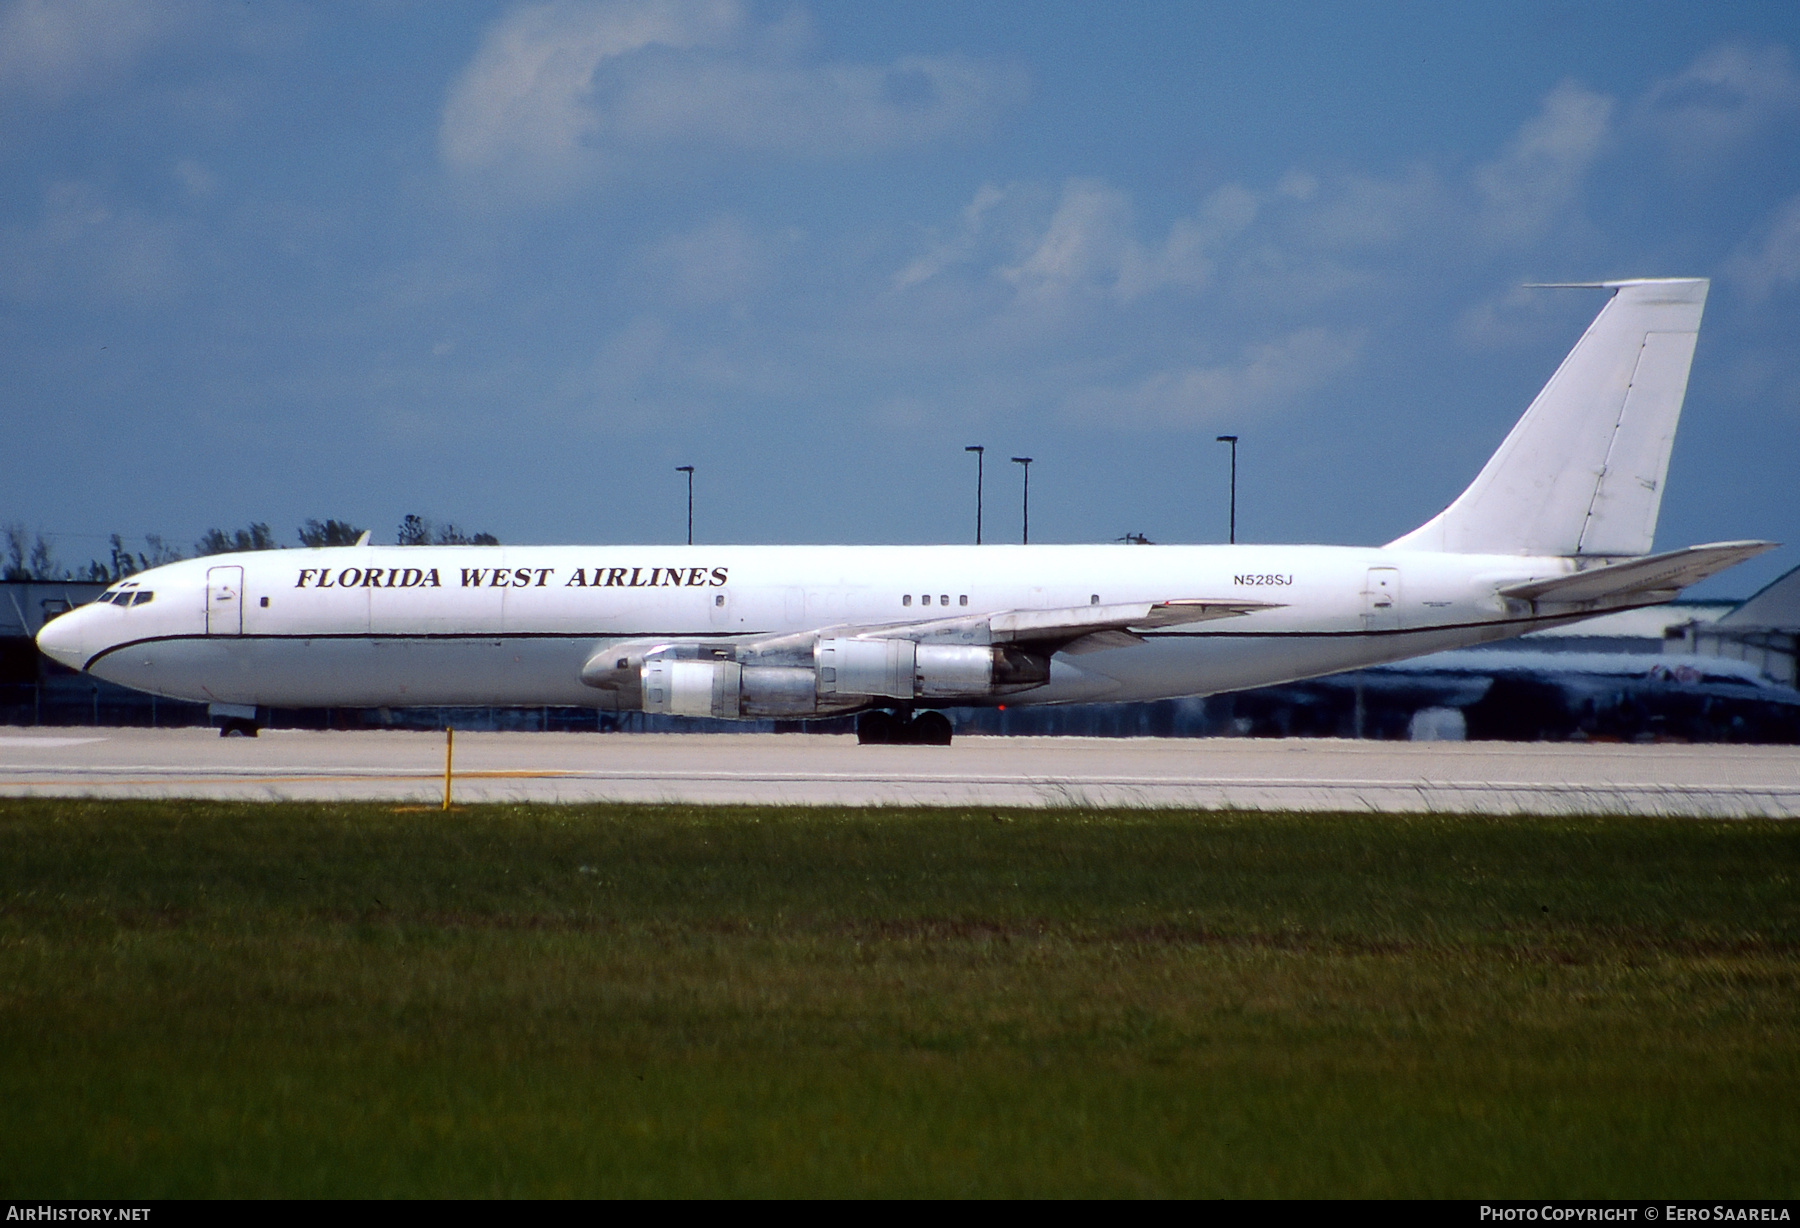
<point>223,999</point>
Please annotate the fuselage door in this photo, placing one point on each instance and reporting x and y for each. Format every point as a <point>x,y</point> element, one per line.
<point>1381,599</point>
<point>224,601</point>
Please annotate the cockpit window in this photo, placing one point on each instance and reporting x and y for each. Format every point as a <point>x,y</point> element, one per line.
<point>144,597</point>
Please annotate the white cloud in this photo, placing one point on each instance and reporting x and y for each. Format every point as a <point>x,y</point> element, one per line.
<point>960,247</point>
<point>526,100</point>
<point>1284,282</point>
<point>557,90</point>
<point>1084,243</point>
<point>824,111</point>
<point>1520,314</point>
<point>1721,100</point>
<point>654,373</point>
<point>84,245</point>
<point>1185,258</point>
<point>1089,246</point>
<point>1359,212</point>
<point>1299,245</point>
<point>1539,174</point>
<point>54,48</point>
<point>1771,262</point>
<point>1267,378</point>
<point>722,259</point>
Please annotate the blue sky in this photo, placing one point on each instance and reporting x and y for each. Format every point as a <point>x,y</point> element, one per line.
<point>509,265</point>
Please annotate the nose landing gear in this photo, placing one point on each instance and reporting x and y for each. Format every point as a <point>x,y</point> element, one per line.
<point>901,729</point>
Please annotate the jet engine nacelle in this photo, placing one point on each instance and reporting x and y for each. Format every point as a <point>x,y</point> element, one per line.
<point>779,680</point>
<point>901,669</point>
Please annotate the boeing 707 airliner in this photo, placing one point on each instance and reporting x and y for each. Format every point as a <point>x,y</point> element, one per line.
<point>1558,526</point>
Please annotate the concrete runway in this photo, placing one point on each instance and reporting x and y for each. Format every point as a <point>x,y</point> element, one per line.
<point>1295,774</point>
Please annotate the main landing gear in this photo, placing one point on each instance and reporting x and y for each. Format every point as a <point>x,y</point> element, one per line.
<point>237,727</point>
<point>899,729</point>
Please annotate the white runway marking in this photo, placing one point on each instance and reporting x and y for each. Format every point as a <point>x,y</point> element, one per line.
<point>804,769</point>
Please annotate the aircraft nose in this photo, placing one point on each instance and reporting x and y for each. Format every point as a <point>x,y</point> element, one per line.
<point>64,639</point>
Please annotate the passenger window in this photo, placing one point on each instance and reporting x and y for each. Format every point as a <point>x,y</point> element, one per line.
<point>1094,600</point>
<point>963,600</point>
<point>944,600</point>
<point>906,600</point>
<point>145,598</point>
<point>925,600</point>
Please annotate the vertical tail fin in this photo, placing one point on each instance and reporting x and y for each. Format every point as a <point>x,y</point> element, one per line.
<point>1582,472</point>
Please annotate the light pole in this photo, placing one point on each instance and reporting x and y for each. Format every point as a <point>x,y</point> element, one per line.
<point>980,456</point>
<point>1232,440</point>
<point>1025,534</point>
<point>689,470</point>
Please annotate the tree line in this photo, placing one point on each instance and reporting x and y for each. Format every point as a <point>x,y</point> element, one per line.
<point>30,556</point>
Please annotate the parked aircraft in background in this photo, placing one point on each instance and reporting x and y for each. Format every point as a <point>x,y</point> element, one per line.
<point>1558,526</point>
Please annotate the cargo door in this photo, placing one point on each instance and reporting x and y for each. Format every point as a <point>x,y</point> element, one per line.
<point>1381,599</point>
<point>224,601</point>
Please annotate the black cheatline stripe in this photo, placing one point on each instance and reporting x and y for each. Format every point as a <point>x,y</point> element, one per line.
<point>1331,635</point>
<point>422,635</point>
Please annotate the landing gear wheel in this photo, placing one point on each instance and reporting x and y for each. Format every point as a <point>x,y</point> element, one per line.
<point>879,729</point>
<point>929,729</point>
<point>237,727</point>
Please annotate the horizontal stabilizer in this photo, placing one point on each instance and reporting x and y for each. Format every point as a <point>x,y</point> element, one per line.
<point>1645,581</point>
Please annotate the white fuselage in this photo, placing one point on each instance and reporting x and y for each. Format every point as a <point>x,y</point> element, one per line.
<point>486,625</point>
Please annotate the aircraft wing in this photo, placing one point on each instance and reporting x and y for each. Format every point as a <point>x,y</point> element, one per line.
<point>1647,581</point>
<point>1076,628</point>
<point>1072,629</point>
